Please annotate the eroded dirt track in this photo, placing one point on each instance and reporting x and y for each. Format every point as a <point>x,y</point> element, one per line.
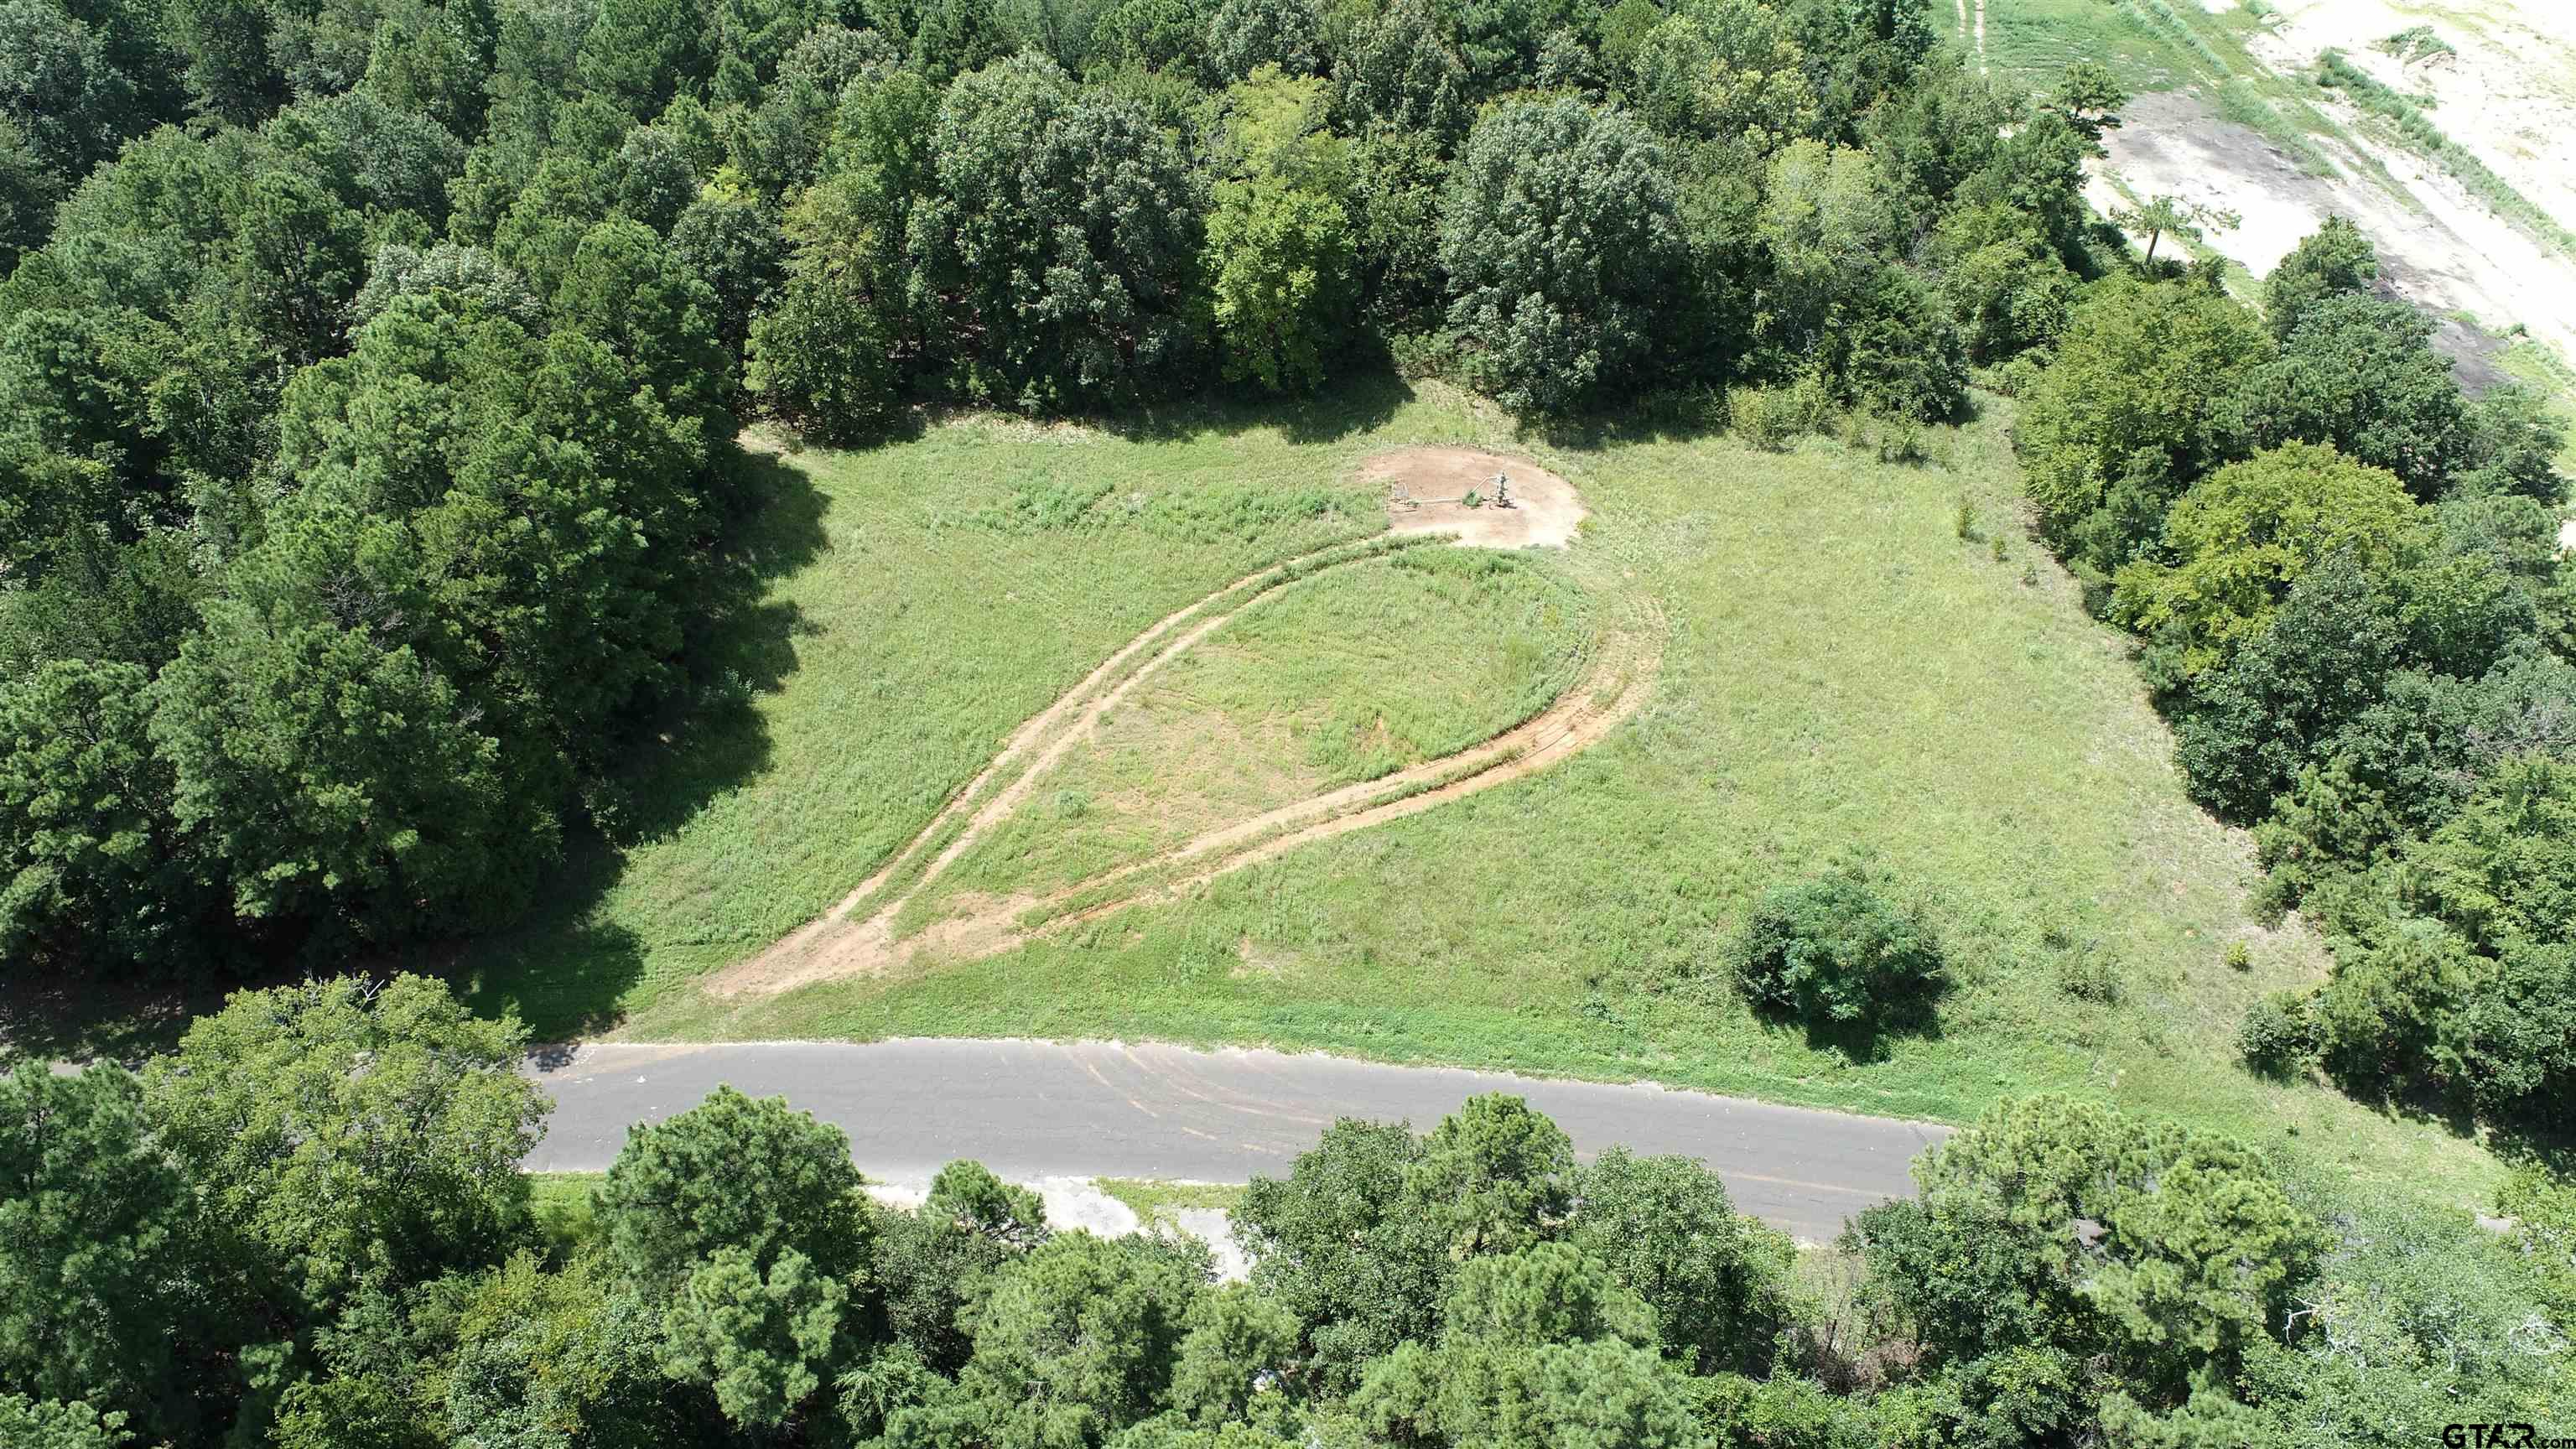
<point>852,941</point>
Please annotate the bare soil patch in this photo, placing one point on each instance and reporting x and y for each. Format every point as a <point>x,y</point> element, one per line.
<point>2438,248</point>
<point>1545,508</point>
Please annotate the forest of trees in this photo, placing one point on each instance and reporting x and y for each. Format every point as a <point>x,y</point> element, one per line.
<point>305,1227</point>
<point>2356,609</point>
<point>370,374</point>
<point>370,369</point>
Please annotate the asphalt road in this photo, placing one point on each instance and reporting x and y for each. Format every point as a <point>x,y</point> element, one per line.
<point>1033,1109</point>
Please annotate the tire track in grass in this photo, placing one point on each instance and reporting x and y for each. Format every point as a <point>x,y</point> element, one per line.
<point>1611,691</point>
<point>857,937</point>
<point>997,790</point>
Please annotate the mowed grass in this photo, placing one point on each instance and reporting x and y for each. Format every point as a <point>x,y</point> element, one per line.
<point>958,584</point>
<point>1347,676</point>
<point>1844,674</point>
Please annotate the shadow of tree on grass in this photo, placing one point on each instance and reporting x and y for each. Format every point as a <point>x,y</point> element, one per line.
<point>1864,1041</point>
<point>561,968</point>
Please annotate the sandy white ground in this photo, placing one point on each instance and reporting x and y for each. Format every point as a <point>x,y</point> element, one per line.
<point>2438,247</point>
<point>2508,95</point>
<point>1079,1202</point>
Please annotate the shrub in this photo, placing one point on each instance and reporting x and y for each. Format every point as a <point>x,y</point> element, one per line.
<point>1772,418</point>
<point>1422,354</point>
<point>1833,951</point>
<point>2018,376</point>
<point>2543,1210</point>
<point>2279,1037</point>
<point>2240,957</point>
<point>2519,1033</point>
<point>1901,440</point>
<point>2089,977</point>
<point>2379,1017</point>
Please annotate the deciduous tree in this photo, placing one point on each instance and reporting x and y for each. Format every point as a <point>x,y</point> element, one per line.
<point>348,1135</point>
<point>1279,261</point>
<point>1326,1241</point>
<point>2241,537</point>
<point>1075,1341</point>
<point>2360,374</point>
<point>1065,236</point>
<point>733,1172</point>
<point>2125,419</point>
<point>1838,954</point>
<point>1666,1227</point>
<point>1562,241</point>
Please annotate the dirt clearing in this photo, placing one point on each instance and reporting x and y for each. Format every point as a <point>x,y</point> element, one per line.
<point>2438,248</point>
<point>1545,509</point>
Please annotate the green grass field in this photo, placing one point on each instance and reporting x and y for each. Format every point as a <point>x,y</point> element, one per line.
<point>2033,41</point>
<point>1844,674</point>
<point>958,584</point>
<point>566,1207</point>
<point>1347,677</point>
<point>1156,1203</point>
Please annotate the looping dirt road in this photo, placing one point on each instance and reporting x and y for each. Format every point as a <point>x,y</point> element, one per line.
<point>859,937</point>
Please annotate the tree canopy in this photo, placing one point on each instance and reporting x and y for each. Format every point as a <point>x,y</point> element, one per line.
<point>304,1226</point>
<point>2359,620</point>
<point>371,370</point>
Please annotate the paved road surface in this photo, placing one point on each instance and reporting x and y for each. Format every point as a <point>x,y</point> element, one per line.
<point>1032,1109</point>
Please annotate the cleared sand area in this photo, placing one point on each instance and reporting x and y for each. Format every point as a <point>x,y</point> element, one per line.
<point>2505,90</point>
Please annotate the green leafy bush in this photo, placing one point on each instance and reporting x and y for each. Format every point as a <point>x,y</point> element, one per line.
<point>2279,1035</point>
<point>1773,418</point>
<point>2088,976</point>
<point>1836,953</point>
<point>2415,42</point>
